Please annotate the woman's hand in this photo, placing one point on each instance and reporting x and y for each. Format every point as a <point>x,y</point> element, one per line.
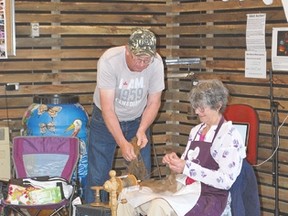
<point>175,163</point>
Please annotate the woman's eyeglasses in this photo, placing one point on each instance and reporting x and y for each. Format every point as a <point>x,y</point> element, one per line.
<point>199,109</point>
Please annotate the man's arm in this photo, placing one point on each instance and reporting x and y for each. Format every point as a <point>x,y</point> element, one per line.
<point>148,116</point>
<point>112,123</point>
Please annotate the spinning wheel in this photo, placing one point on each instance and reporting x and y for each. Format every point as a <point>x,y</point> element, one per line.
<point>113,186</point>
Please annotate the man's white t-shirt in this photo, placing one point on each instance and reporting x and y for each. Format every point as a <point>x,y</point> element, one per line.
<point>131,88</point>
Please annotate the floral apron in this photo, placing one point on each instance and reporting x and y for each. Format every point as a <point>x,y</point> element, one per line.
<point>212,201</point>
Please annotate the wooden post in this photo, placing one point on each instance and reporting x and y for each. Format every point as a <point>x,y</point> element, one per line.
<point>111,186</point>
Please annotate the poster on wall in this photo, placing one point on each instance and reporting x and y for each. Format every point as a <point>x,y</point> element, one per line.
<point>285,7</point>
<point>3,40</point>
<point>255,55</point>
<point>7,29</point>
<point>279,49</point>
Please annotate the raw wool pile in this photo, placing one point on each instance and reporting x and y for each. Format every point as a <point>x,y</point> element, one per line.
<point>137,166</point>
<point>163,185</point>
<point>138,169</point>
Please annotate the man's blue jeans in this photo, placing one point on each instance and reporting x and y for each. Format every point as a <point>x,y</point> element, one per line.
<point>101,150</point>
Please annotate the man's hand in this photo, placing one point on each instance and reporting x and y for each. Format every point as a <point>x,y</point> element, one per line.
<point>141,139</point>
<point>128,151</point>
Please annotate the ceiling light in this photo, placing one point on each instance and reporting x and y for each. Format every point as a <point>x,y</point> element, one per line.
<point>268,2</point>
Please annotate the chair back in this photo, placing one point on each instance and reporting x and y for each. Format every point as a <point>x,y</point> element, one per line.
<point>242,113</point>
<point>36,156</point>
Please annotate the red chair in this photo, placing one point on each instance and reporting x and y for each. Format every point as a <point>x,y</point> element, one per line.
<point>242,113</point>
<point>244,191</point>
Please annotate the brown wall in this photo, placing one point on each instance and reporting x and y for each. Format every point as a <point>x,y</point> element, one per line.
<point>73,34</point>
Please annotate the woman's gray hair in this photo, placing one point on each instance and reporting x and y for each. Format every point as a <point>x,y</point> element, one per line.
<point>209,93</point>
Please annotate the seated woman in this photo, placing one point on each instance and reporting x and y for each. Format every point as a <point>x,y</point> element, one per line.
<point>206,170</point>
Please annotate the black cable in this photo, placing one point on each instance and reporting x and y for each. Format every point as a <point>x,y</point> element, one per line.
<point>275,142</point>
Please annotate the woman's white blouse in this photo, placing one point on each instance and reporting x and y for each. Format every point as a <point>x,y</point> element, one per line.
<point>228,150</point>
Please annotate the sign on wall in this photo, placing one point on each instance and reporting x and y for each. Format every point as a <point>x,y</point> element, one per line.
<point>280,49</point>
<point>7,29</point>
<point>255,55</point>
<point>3,44</point>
